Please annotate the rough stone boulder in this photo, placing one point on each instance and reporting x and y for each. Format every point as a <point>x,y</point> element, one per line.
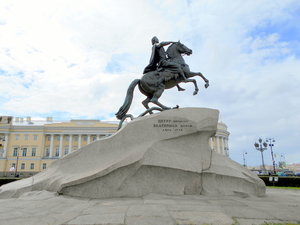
<point>163,153</point>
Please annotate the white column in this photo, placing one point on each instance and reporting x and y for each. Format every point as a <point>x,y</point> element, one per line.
<point>218,144</point>
<point>226,146</point>
<point>221,145</point>
<point>98,136</point>
<point>89,139</point>
<point>79,141</point>
<point>5,146</point>
<point>70,143</point>
<point>60,145</point>
<point>51,145</point>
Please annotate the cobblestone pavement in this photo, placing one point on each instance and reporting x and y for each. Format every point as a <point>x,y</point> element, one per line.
<point>48,208</point>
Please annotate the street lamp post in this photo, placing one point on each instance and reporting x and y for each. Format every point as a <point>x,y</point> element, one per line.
<point>261,147</point>
<point>244,152</point>
<point>270,140</point>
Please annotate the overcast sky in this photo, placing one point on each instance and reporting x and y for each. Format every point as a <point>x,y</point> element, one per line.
<point>75,60</point>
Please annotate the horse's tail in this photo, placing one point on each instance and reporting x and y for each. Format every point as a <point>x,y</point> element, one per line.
<point>128,100</point>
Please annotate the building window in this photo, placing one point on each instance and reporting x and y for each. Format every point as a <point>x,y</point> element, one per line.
<point>84,138</point>
<point>32,166</point>
<point>47,152</point>
<point>35,137</point>
<point>76,138</point>
<point>57,152</point>
<point>67,138</point>
<point>26,137</point>
<point>33,152</point>
<point>23,166</point>
<point>49,138</point>
<point>44,166</point>
<point>17,137</point>
<point>15,152</point>
<point>58,138</point>
<point>94,138</point>
<point>13,165</point>
<point>24,152</point>
<point>66,151</point>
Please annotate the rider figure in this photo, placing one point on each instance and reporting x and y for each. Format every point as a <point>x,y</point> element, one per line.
<point>159,60</point>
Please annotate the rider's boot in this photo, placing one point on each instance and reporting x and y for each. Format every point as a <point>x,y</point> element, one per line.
<point>180,88</point>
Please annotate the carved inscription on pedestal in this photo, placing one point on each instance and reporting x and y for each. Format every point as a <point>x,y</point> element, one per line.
<point>172,125</point>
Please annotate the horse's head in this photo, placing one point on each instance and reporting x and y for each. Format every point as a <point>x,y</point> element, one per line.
<point>178,48</point>
<point>183,49</point>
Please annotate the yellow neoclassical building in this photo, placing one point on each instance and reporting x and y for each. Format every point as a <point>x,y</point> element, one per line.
<point>30,146</point>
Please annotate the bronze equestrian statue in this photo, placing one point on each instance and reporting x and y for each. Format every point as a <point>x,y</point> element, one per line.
<point>165,70</point>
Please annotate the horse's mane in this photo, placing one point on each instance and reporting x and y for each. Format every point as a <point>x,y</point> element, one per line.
<point>170,50</point>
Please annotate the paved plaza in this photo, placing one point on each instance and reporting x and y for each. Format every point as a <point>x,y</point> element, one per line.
<point>49,208</point>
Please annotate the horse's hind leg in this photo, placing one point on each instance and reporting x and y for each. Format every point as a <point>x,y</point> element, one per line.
<point>146,103</point>
<point>156,96</point>
<point>156,102</point>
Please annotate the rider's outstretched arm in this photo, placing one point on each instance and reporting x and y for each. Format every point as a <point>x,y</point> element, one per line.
<point>164,43</point>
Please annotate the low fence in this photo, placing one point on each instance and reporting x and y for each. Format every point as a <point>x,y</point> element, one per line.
<point>7,180</point>
<point>281,181</point>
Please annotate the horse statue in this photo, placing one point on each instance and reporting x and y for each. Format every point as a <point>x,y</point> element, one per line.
<point>153,83</point>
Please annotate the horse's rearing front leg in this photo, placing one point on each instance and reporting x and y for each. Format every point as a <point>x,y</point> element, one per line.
<point>205,80</point>
<point>195,84</point>
<point>192,74</point>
